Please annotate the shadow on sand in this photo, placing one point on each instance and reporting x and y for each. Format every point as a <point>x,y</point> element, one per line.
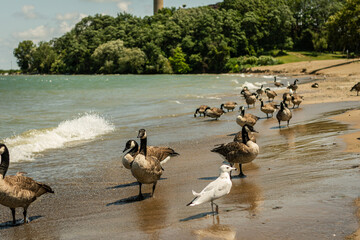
<point>124,185</point>
<point>131,199</point>
<point>9,224</point>
<point>197,216</point>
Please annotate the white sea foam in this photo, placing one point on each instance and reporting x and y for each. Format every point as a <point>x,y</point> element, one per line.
<point>251,86</point>
<point>235,81</point>
<point>268,76</point>
<point>28,145</point>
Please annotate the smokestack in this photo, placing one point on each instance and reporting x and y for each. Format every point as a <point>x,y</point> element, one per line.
<point>158,4</point>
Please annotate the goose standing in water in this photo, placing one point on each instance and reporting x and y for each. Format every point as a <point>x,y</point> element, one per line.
<point>239,152</point>
<point>247,118</point>
<point>201,110</point>
<point>214,190</point>
<point>270,94</point>
<point>356,88</point>
<point>163,154</point>
<point>287,96</point>
<point>277,84</point>
<point>251,99</point>
<point>228,106</point>
<point>267,108</point>
<point>146,169</point>
<point>245,92</point>
<point>18,191</point>
<point>214,112</point>
<point>260,91</point>
<point>293,86</point>
<point>284,114</point>
<point>296,100</point>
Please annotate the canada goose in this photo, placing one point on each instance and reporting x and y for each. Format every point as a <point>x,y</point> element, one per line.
<point>296,100</point>
<point>277,84</point>
<point>18,191</point>
<point>270,94</point>
<point>239,152</point>
<point>228,106</point>
<point>247,118</point>
<point>238,136</point>
<point>251,99</point>
<point>163,154</point>
<point>214,190</point>
<point>293,86</point>
<point>287,96</point>
<point>356,88</point>
<point>284,114</point>
<point>315,85</point>
<point>146,169</point>
<point>201,110</point>
<point>260,91</point>
<point>245,92</point>
<point>267,108</point>
<point>214,112</point>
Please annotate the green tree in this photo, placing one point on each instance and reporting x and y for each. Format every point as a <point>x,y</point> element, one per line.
<point>178,61</point>
<point>23,53</point>
<point>344,27</point>
<point>43,58</point>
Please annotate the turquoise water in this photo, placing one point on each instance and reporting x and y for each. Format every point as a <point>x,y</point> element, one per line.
<point>44,116</point>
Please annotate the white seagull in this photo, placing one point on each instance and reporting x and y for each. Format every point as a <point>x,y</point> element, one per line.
<point>214,190</point>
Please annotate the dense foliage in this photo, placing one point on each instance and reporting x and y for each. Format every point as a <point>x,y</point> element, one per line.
<point>227,37</point>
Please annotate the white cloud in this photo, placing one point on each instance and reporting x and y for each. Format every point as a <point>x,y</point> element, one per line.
<point>28,12</point>
<point>68,20</point>
<point>70,16</point>
<point>40,33</point>
<point>123,6</point>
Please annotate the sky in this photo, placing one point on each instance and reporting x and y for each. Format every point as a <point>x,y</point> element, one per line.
<point>43,20</point>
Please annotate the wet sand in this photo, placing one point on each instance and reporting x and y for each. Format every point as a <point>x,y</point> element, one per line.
<point>303,185</point>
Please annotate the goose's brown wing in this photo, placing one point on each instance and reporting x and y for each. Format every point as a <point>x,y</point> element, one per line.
<point>22,183</point>
<point>161,152</point>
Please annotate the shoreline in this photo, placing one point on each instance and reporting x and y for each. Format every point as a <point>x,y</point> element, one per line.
<point>300,170</point>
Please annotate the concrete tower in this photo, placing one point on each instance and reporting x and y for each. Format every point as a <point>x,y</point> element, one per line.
<point>158,4</point>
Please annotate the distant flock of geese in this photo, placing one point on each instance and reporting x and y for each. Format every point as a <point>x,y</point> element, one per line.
<point>146,162</point>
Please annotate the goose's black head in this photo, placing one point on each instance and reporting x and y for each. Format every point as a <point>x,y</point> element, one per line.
<point>130,145</point>
<point>142,134</point>
<point>5,161</point>
<point>221,106</point>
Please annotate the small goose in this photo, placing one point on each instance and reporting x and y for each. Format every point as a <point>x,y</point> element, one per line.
<point>293,86</point>
<point>238,136</point>
<point>229,106</point>
<point>356,88</point>
<point>18,191</point>
<point>247,118</point>
<point>163,154</point>
<point>214,112</point>
<point>245,92</point>
<point>260,91</point>
<point>284,114</point>
<point>214,190</point>
<point>251,99</point>
<point>270,94</point>
<point>296,100</point>
<point>287,96</point>
<point>267,108</point>
<point>277,84</point>
<point>315,85</point>
<point>201,110</point>
<point>239,152</point>
<point>146,169</point>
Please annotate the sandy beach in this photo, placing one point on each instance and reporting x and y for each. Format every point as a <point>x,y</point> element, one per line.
<point>303,184</point>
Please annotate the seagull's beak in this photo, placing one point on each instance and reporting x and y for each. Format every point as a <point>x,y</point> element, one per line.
<point>233,169</point>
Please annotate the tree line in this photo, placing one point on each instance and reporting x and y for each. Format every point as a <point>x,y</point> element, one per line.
<point>224,37</point>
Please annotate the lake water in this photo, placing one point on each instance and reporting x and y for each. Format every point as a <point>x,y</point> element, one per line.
<point>44,117</point>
